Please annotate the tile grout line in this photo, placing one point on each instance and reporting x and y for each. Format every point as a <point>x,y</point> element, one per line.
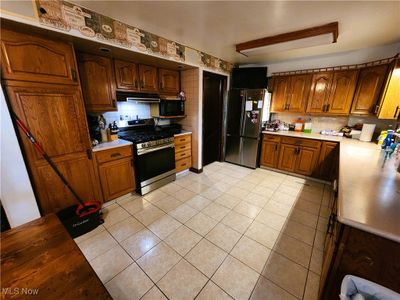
<point>212,201</point>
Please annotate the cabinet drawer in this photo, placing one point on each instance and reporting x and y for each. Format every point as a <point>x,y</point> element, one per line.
<point>272,138</point>
<point>183,147</point>
<point>301,142</point>
<point>183,139</point>
<point>183,164</point>
<point>183,154</point>
<point>113,154</point>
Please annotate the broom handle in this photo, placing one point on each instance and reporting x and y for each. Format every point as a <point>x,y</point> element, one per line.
<point>46,157</point>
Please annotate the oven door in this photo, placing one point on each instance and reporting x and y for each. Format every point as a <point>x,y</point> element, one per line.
<point>154,164</point>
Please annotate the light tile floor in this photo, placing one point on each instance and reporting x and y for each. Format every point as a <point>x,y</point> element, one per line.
<point>230,232</point>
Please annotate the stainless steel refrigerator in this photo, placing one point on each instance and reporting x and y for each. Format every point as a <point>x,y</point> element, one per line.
<point>243,125</point>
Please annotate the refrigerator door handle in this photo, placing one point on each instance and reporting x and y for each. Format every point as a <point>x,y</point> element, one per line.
<point>243,114</point>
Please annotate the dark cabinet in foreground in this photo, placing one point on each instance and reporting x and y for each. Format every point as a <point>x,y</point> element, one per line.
<point>349,250</point>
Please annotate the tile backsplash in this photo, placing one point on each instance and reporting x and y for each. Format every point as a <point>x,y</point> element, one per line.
<point>334,123</point>
<point>129,111</point>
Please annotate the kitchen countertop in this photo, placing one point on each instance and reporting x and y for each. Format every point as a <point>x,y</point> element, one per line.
<point>110,145</point>
<point>369,189</point>
<point>183,132</point>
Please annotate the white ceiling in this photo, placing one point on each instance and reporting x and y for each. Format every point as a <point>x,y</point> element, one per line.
<point>215,26</point>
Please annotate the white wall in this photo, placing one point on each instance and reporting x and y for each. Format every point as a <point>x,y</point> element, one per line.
<point>331,60</point>
<point>16,191</point>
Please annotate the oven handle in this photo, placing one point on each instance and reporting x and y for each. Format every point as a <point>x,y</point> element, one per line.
<point>145,151</point>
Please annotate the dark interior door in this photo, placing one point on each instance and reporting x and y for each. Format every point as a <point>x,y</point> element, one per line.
<point>213,92</point>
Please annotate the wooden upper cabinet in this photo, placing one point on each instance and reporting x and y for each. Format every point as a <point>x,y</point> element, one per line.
<point>389,106</point>
<point>341,92</point>
<point>369,86</point>
<point>169,81</point>
<point>148,78</point>
<point>126,75</point>
<point>98,82</point>
<point>280,93</point>
<point>320,88</point>
<point>27,57</point>
<point>298,93</point>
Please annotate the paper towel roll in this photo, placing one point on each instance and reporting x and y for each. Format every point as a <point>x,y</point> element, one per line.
<point>367,132</point>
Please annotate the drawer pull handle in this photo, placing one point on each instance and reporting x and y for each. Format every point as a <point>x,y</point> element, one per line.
<point>182,147</point>
<point>183,164</point>
<point>182,154</point>
<point>115,154</point>
<point>182,140</point>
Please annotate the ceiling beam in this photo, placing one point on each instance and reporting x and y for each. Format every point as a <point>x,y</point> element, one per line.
<point>291,36</point>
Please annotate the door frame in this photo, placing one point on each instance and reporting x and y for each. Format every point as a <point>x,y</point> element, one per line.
<point>224,93</point>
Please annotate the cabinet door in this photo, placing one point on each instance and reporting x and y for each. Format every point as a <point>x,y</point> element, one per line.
<point>369,86</point>
<point>342,92</point>
<point>320,87</point>
<point>269,154</point>
<point>117,178</point>
<point>126,75</point>
<point>300,86</point>
<point>287,157</point>
<point>98,82</point>
<point>328,160</point>
<point>55,116</point>
<point>390,103</point>
<point>148,78</point>
<point>280,93</point>
<point>306,161</point>
<point>169,81</point>
<point>28,57</point>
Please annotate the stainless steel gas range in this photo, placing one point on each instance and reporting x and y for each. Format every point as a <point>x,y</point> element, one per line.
<point>154,154</point>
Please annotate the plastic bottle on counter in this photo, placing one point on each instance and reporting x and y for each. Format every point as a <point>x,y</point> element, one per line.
<point>113,131</point>
<point>298,125</point>
<point>307,126</point>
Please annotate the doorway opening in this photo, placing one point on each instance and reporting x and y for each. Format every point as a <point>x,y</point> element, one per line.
<point>214,89</point>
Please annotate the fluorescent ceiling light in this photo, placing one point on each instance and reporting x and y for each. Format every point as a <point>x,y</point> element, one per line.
<point>314,36</point>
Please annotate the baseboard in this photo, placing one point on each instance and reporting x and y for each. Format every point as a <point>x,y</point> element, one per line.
<point>194,170</point>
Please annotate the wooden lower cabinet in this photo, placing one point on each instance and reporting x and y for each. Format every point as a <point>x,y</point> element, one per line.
<point>306,161</point>
<point>183,152</point>
<point>297,155</point>
<point>55,116</point>
<point>270,151</point>
<point>116,172</point>
<point>328,160</point>
<point>287,157</point>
